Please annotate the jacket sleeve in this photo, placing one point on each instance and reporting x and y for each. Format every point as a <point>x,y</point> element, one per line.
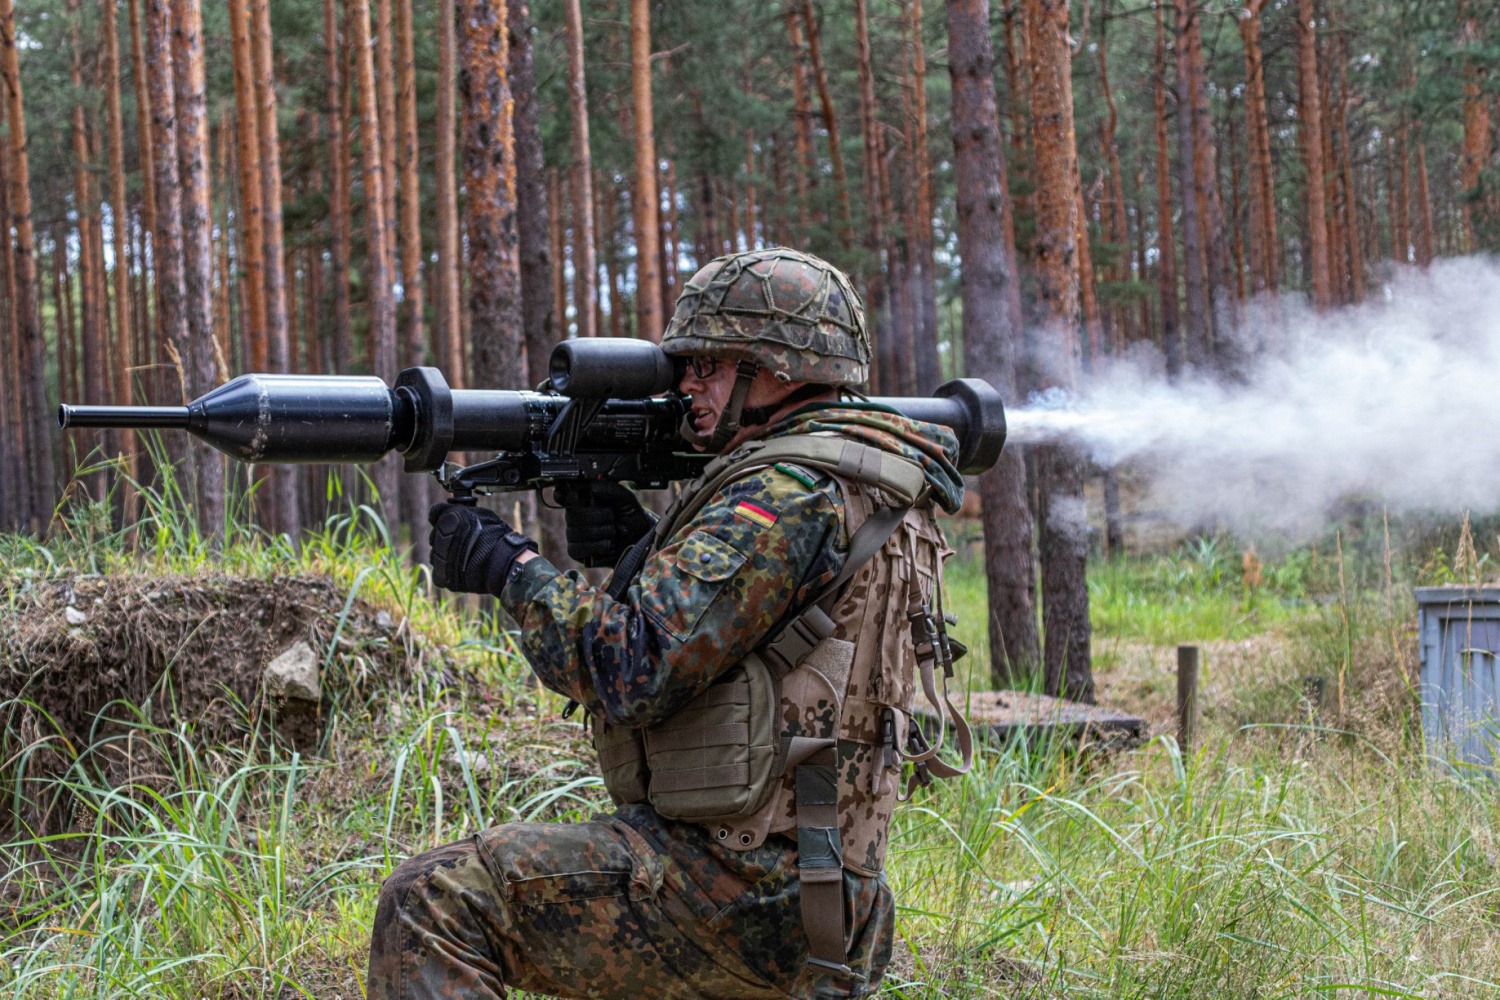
<point>763,546</point>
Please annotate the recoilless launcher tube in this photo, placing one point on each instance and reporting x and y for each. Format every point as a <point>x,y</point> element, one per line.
<point>608,412</point>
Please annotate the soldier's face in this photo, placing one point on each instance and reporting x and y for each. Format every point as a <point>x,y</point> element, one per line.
<point>710,381</point>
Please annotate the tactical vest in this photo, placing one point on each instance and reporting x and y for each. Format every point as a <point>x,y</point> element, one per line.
<point>808,733</point>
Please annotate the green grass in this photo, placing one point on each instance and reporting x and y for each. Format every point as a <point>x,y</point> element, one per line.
<point>1301,850</point>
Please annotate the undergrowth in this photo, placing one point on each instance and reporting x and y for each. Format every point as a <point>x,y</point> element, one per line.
<point>1304,847</point>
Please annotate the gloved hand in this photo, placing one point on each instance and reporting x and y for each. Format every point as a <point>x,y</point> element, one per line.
<point>473,548</point>
<point>602,521</point>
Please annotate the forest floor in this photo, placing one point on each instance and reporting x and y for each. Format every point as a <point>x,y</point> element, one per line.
<point>178,846</point>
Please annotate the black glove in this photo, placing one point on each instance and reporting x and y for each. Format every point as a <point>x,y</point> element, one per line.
<point>473,548</point>
<point>602,520</point>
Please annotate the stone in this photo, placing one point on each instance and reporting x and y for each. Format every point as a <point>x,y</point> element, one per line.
<point>294,675</point>
<point>74,616</point>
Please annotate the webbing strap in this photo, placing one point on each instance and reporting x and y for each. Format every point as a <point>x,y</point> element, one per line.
<point>624,752</point>
<point>700,737</point>
<point>723,694</point>
<point>693,778</point>
<point>820,861</point>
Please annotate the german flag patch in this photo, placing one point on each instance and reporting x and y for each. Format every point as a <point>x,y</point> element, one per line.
<point>756,513</point>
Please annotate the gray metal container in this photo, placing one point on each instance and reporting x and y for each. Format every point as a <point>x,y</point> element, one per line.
<point>1459,631</point>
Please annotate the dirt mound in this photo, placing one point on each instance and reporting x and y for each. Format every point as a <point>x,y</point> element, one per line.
<point>185,648</point>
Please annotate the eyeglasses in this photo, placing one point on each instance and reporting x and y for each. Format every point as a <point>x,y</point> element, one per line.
<point>702,366</point>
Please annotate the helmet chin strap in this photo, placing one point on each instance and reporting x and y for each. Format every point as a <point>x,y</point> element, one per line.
<point>729,421</point>
<point>737,415</point>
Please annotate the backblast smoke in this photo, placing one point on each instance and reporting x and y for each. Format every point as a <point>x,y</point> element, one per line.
<point>1396,402</point>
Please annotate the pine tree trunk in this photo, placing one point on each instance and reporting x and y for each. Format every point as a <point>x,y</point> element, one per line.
<point>584,263</point>
<point>336,114</point>
<point>1476,150</point>
<point>283,477</point>
<point>449,293</point>
<point>148,182</point>
<point>191,99</point>
<point>608,205</point>
<point>648,268</point>
<point>410,207</point>
<point>1166,236</point>
<point>93,354</point>
<point>831,123</point>
<point>1353,231</point>
<point>557,241</point>
<point>28,439</point>
<point>1063,544</point>
<point>1310,114</point>
<point>385,96</point>
<point>12,445</point>
<point>1262,238</point>
<point>1210,206</point>
<point>379,259</point>
<point>1425,239</point>
<point>537,320</point>
<point>801,121</point>
<point>489,157</point>
<point>1116,216</point>
<point>990,290</point>
<point>122,362</point>
<point>167,245</point>
<point>252,234</point>
<point>869,126</point>
<point>925,337</point>
<point>1195,265</point>
<point>1401,196</point>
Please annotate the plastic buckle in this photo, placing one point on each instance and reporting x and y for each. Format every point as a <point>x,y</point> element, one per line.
<point>838,982</point>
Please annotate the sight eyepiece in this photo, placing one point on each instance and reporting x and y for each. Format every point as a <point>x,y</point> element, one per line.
<point>611,368</point>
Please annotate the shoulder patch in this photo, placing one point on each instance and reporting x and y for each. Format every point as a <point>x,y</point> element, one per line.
<point>801,475</point>
<point>755,513</point>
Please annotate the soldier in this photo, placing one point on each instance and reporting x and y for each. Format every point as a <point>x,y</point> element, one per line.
<point>750,691</point>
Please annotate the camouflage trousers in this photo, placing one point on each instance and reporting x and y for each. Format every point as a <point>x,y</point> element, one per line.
<point>629,906</point>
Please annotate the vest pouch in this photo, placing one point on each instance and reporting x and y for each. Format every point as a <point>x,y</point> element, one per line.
<point>622,762</point>
<point>713,759</point>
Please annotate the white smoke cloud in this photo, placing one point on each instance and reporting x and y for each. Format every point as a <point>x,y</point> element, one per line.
<point>1396,401</point>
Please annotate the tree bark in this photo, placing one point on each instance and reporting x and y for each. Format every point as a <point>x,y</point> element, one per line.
<point>190,93</point>
<point>1195,265</point>
<point>14,496</point>
<point>1064,529</point>
<point>122,363</point>
<point>1221,297</point>
<point>831,123</point>
<point>869,127</point>
<point>1116,216</point>
<point>1310,114</point>
<point>283,477</point>
<point>925,336</point>
<point>584,263</point>
<point>1166,238</point>
<point>801,122</point>
<point>648,269</point>
<point>21,248</point>
<point>489,156</point>
<point>1352,229</point>
<point>449,293</point>
<point>1476,150</point>
<point>535,243</point>
<point>410,206</point>
<point>990,290</point>
<point>1401,195</point>
<point>385,96</point>
<point>1262,185</point>
<point>148,186</point>
<point>1425,238</point>
<point>338,189</point>
<point>252,234</point>
<point>379,262</point>
<point>94,354</point>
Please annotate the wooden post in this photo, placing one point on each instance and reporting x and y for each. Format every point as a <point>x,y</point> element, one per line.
<point>1187,696</point>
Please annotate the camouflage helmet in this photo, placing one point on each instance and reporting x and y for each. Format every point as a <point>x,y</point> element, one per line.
<point>795,314</point>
